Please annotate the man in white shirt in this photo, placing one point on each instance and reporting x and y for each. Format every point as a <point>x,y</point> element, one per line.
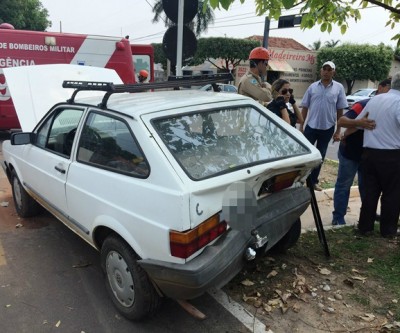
<point>381,162</point>
<point>322,105</point>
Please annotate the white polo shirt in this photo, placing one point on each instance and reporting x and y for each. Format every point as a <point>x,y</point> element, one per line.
<point>385,110</point>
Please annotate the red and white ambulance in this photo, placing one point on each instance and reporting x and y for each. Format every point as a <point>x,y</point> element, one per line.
<point>29,48</point>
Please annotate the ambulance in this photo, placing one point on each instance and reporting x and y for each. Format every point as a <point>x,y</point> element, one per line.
<point>29,48</point>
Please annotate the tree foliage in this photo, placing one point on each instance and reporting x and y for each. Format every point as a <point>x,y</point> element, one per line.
<point>315,45</point>
<point>358,62</point>
<point>397,53</point>
<point>159,55</point>
<point>230,50</point>
<point>321,12</point>
<point>203,18</point>
<point>24,14</point>
<point>332,43</point>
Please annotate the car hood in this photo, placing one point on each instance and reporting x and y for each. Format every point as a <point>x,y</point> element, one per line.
<point>35,89</point>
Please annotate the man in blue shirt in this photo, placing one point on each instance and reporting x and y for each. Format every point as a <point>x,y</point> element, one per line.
<point>381,162</point>
<point>322,106</point>
<point>349,155</point>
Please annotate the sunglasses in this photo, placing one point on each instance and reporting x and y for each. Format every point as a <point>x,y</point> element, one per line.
<point>285,91</point>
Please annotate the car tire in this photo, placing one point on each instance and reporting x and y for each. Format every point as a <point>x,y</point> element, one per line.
<point>25,205</point>
<point>127,283</point>
<point>289,240</point>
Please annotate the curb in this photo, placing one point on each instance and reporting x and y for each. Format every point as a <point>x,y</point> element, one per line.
<point>327,194</point>
<point>325,206</point>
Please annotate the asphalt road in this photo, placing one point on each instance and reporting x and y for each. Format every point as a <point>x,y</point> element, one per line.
<point>51,281</point>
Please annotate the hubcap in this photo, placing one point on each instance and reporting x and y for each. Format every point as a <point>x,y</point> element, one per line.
<point>120,279</point>
<point>17,192</point>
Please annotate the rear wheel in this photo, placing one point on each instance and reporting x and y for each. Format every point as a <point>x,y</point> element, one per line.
<point>290,239</point>
<point>127,283</point>
<point>25,205</point>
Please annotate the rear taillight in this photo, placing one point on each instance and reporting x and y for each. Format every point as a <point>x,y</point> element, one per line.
<point>184,244</point>
<point>278,182</point>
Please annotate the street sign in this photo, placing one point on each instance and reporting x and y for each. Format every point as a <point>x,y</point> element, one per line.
<point>190,9</point>
<point>169,44</point>
<point>289,21</point>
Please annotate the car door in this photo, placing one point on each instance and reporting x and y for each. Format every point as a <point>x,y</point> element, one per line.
<point>46,162</point>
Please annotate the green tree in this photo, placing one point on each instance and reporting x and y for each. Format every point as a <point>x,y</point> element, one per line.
<point>159,55</point>
<point>358,62</point>
<point>332,43</point>
<point>315,45</point>
<point>397,53</point>
<point>24,14</point>
<point>204,16</point>
<point>321,12</point>
<point>231,50</point>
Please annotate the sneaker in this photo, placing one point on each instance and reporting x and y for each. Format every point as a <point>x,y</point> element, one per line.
<point>317,187</point>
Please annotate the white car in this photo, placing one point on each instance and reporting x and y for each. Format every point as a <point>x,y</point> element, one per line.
<point>227,88</point>
<point>360,95</point>
<point>176,189</point>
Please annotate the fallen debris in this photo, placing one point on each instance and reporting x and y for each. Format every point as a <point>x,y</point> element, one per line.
<point>191,309</point>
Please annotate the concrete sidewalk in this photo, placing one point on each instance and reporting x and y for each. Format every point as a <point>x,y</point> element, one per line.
<point>325,205</point>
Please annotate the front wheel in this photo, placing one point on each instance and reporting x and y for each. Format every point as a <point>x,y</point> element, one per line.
<point>25,205</point>
<point>127,283</point>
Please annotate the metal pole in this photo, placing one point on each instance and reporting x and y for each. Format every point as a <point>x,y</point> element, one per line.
<point>179,39</point>
<point>266,33</point>
<point>317,218</point>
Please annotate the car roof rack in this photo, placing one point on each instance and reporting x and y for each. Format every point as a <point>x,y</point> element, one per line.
<point>175,82</point>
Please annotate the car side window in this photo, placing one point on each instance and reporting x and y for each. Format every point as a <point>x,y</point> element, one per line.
<point>57,133</point>
<point>107,142</point>
<point>230,88</point>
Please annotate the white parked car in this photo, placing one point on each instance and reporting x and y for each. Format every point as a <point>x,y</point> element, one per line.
<point>176,189</point>
<point>227,88</point>
<point>360,95</point>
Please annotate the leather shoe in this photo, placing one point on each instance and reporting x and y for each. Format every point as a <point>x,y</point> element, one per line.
<point>360,233</point>
<point>317,187</point>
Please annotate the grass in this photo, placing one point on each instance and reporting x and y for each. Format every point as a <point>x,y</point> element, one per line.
<point>328,174</point>
<point>374,257</point>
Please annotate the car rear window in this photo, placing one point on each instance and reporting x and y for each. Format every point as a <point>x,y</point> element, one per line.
<point>218,141</point>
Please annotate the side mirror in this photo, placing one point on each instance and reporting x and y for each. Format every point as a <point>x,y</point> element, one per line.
<point>22,138</point>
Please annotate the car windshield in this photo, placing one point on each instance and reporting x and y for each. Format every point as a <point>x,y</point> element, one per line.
<point>362,92</point>
<point>210,143</point>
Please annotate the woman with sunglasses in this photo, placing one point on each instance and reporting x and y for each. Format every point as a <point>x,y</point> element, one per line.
<point>282,100</point>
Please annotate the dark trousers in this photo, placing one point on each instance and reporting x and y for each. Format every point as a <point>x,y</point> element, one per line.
<point>381,176</point>
<point>322,138</point>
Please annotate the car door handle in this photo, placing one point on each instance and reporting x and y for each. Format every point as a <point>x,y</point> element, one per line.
<point>59,169</point>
